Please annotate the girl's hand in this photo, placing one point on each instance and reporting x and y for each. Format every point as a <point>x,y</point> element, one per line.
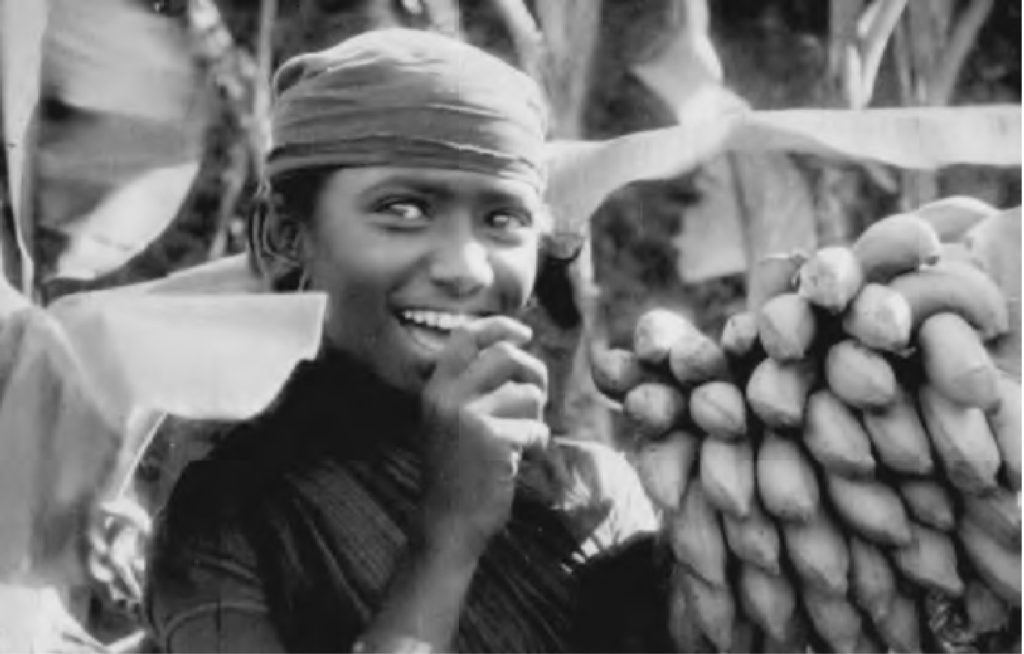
<point>483,406</point>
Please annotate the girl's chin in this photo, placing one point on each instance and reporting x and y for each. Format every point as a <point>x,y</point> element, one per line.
<point>417,351</point>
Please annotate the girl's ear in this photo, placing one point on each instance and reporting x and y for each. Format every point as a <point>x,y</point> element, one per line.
<point>277,242</point>
<point>284,233</point>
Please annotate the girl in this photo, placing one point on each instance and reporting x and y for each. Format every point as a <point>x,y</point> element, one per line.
<point>401,494</point>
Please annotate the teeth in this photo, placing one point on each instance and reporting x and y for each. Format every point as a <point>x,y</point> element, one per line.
<point>441,320</point>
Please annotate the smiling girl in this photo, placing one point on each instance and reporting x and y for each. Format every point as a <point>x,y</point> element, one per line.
<point>382,503</point>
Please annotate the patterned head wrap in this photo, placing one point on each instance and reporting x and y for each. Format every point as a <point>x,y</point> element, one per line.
<point>407,98</point>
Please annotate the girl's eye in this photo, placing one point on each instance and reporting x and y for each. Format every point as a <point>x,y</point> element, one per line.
<point>404,210</point>
<point>510,220</point>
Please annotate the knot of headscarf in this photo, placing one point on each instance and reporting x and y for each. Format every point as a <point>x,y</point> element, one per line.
<point>407,98</point>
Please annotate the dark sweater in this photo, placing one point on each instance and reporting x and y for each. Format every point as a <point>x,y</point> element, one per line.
<point>302,513</point>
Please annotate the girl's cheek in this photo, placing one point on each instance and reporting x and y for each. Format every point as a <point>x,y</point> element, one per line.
<point>518,275</point>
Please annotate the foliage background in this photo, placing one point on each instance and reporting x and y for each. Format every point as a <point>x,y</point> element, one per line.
<point>773,53</point>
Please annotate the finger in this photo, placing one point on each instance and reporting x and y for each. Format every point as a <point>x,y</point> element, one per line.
<point>521,434</point>
<point>504,362</point>
<point>458,354</point>
<point>515,400</point>
<point>466,343</point>
<point>493,329</point>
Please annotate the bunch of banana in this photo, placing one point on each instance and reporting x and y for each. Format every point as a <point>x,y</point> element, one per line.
<point>845,451</point>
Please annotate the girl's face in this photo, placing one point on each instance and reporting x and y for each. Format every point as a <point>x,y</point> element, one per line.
<point>406,255</point>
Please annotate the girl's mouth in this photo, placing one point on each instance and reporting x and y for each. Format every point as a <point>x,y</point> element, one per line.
<point>430,329</point>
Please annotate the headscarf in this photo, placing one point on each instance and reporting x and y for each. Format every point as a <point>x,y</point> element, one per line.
<point>407,98</point>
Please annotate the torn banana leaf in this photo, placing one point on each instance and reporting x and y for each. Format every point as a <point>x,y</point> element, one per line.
<point>84,383</point>
<point>583,173</point>
<point>122,113</point>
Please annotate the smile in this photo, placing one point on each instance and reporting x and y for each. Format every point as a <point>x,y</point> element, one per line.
<point>430,329</point>
<point>438,320</point>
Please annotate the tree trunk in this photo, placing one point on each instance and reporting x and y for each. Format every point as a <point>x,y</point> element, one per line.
<point>570,30</point>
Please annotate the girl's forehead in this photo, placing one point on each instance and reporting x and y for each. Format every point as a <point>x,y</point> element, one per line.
<point>441,182</point>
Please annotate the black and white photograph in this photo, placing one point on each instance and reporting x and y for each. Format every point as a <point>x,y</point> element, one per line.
<point>423,326</point>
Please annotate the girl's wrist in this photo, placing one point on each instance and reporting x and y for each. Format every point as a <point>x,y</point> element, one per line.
<point>391,643</point>
<point>452,534</point>
<point>450,544</point>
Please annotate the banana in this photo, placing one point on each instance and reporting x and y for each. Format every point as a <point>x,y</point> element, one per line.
<point>665,466</point>
<point>958,252</point>
<point>745,636</point>
<point>819,553</point>
<point>615,371</point>
<point>767,599</point>
<point>830,278</point>
<point>998,566</point>
<point>874,585</point>
<point>952,217</point>
<point>930,560</point>
<point>653,408</point>
<point>739,336</point>
<point>786,481</point>
<point>1006,428</point>
<point>714,609</point>
<point>834,618</point>
<point>985,611</point>
<point>963,440</point>
<point>897,244</point>
<point>860,376</point>
<point>727,474</point>
<point>929,502</point>
<point>835,437</point>
<point>696,537</point>
<point>867,644</point>
<point>899,437</point>
<point>901,627</point>
<point>871,508</point>
<point>717,407</point>
<point>797,640</point>
<point>682,623</point>
<point>786,326</point>
<point>695,358</point>
<point>958,288</point>
<point>998,513</point>
<point>655,332</point>
<point>754,539</point>
<point>956,363</point>
<point>771,276</point>
<point>880,318</point>
<point>777,392</point>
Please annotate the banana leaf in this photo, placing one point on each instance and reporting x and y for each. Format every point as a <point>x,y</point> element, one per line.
<point>583,173</point>
<point>84,383</point>
<point>21,33</point>
<point>122,112</point>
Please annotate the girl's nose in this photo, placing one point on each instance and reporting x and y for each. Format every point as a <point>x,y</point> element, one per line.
<point>461,263</point>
